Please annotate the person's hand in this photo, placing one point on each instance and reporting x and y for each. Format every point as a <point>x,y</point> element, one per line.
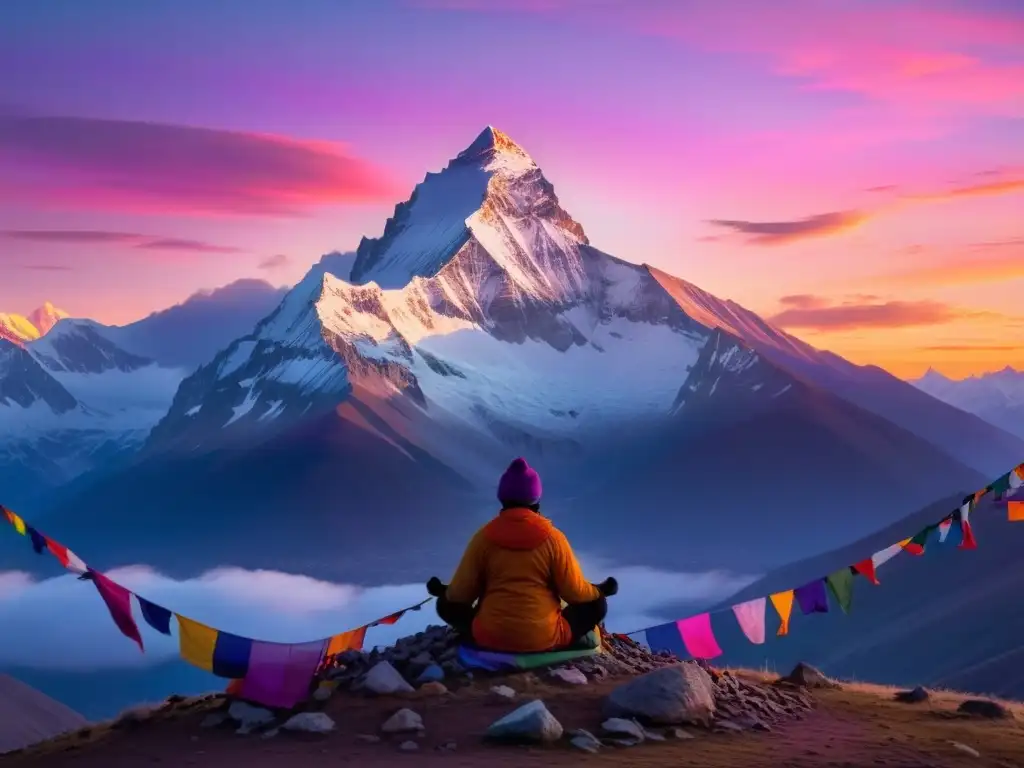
<point>608,587</point>
<point>436,587</point>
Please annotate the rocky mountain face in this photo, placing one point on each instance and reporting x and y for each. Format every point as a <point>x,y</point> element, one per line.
<point>482,325</point>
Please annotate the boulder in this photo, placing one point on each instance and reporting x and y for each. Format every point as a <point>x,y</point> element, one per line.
<point>915,696</point>
<point>248,717</point>
<point>432,673</point>
<point>618,726</point>
<point>384,679</point>
<point>403,721</point>
<point>309,722</point>
<point>806,676</point>
<point>569,675</point>
<point>530,723</point>
<point>987,708</point>
<point>672,695</point>
<point>585,740</point>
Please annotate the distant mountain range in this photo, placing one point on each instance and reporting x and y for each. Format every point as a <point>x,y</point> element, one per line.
<point>996,397</point>
<point>356,430</point>
<point>77,396</point>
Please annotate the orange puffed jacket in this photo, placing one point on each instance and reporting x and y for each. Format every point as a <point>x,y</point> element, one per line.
<point>520,567</point>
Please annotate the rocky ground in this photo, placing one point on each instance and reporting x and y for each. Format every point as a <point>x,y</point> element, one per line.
<point>414,699</point>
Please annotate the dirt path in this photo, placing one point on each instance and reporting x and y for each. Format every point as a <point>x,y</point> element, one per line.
<point>845,729</point>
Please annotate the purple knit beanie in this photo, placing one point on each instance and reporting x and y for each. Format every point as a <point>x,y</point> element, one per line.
<point>520,484</point>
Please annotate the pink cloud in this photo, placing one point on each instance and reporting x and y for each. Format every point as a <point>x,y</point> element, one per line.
<point>912,54</point>
<point>136,166</point>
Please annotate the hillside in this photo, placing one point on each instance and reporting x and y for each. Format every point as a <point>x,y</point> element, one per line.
<point>854,725</point>
<point>27,716</point>
<point>949,618</point>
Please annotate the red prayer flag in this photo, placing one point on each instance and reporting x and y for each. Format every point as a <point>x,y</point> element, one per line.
<point>58,550</point>
<point>866,568</point>
<point>119,603</point>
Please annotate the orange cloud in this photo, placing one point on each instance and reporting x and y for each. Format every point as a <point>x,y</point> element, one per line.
<point>818,314</point>
<point>993,262</point>
<point>1007,187</point>
<point>782,232</point>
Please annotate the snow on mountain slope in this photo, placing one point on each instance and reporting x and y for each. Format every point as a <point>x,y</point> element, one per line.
<point>381,395</point>
<point>996,397</point>
<point>944,423</point>
<point>72,401</point>
<point>19,329</point>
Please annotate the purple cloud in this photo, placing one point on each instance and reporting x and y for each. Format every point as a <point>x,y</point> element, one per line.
<point>782,232</point>
<point>130,239</point>
<point>154,167</point>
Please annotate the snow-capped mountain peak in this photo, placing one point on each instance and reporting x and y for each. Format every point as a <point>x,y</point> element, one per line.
<point>491,196</point>
<point>493,149</point>
<point>19,329</point>
<point>46,317</point>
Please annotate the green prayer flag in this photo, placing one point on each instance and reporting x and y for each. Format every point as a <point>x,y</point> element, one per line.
<point>921,539</point>
<point>840,584</point>
<point>1002,485</point>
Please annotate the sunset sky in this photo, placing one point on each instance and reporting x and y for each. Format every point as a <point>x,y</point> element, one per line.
<point>851,169</point>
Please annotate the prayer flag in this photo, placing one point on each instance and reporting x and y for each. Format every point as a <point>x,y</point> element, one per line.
<point>281,675</point>
<point>750,616</point>
<point>346,641</point>
<point>1015,511</point>
<point>881,558</point>
<point>13,519</point>
<point>1002,485</point>
<point>866,568</point>
<point>119,603</point>
<point>783,603</point>
<point>812,597</point>
<point>944,527</point>
<point>698,638</point>
<point>968,541</point>
<point>231,655</point>
<point>196,642</point>
<point>1017,478</point>
<point>665,637</point>
<point>37,539</point>
<point>158,618</point>
<point>917,544</point>
<point>841,585</point>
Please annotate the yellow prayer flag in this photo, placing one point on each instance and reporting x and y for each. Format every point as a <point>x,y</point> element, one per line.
<point>1020,471</point>
<point>979,495</point>
<point>905,542</point>
<point>346,641</point>
<point>783,602</point>
<point>1015,511</point>
<point>196,642</point>
<point>17,522</point>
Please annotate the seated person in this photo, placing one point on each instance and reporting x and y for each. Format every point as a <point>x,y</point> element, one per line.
<point>507,593</point>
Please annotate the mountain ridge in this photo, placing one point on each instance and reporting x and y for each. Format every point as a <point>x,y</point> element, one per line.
<point>481,324</point>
